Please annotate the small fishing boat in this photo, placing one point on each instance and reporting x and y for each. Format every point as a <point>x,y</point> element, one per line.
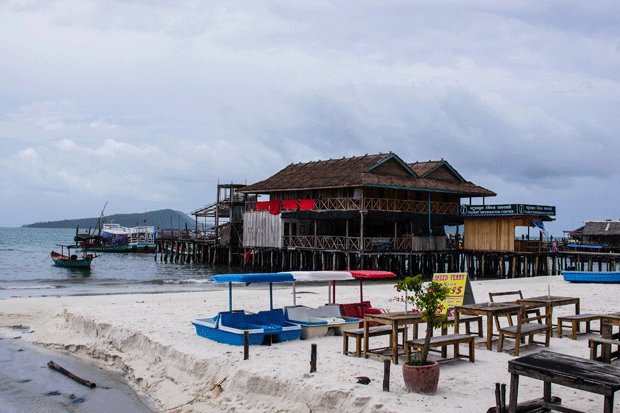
<point>72,260</point>
<point>591,276</point>
<point>263,327</point>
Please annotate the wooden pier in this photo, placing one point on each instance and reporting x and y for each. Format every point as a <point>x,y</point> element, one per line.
<point>478,264</point>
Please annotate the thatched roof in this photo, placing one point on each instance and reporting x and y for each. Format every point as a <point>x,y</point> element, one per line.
<point>601,228</point>
<point>386,170</point>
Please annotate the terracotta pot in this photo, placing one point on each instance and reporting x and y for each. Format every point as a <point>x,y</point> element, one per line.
<point>421,379</point>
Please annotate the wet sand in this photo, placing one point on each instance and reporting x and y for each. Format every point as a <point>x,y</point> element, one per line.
<point>28,385</point>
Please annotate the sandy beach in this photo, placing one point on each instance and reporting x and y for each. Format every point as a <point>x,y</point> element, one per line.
<point>149,337</point>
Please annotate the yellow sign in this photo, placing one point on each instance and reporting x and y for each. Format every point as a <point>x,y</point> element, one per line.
<point>456,281</point>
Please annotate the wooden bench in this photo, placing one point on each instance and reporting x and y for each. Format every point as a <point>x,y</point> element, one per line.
<point>606,355</point>
<point>575,320</point>
<point>467,320</point>
<point>443,342</point>
<point>575,372</point>
<point>358,335</point>
<point>527,326</point>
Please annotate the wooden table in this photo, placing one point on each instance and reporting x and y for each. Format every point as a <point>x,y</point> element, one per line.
<point>395,320</point>
<point>570,371</point>
<point>489,310</point>
<point>550,301</point>
<point>608,321</point>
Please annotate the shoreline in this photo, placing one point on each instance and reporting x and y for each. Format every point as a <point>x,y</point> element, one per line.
<point>150,338</point>
<point>29,385</point>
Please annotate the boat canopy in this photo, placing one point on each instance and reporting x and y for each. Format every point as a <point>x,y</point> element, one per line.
<point>370,274</point>
<point>254,278</point>
<point>309,276</point>
<point>321,275</point>
<point>366,274</point>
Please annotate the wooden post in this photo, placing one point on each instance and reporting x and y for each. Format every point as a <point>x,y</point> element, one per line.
<point>361,246</point>
<point>314,241</point>
<point>271,260</point>
<point>313,358</point>
<point>246,344</point>
<point>526,266</point>
<point>386,375</point>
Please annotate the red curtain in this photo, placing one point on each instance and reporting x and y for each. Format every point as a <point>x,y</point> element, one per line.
<point>289,204</point>
<point>306,204</point>
<point>262,206</point>
<point>274,207</point>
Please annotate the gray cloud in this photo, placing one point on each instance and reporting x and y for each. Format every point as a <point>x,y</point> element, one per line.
<point>147,104</point>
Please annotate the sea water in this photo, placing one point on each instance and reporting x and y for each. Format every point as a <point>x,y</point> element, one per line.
<point>26,269</point>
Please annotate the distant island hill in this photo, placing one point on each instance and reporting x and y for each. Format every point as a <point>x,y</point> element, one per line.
<point>164,218</point>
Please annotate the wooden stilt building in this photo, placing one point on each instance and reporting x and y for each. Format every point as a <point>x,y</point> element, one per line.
<point>372,212</point>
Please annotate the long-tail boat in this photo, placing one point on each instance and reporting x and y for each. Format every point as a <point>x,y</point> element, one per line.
<point>72,260</point>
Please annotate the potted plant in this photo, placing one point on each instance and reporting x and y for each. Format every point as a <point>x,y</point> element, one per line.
<point>420,375</point>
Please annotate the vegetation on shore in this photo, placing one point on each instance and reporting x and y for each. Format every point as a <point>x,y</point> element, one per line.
<point>163,218</point>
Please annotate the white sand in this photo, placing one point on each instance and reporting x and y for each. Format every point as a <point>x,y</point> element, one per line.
<point>151,338</point>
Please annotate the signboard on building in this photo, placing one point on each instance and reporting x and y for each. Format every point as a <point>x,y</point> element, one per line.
<point>460,289</point>
<point>507,209</point>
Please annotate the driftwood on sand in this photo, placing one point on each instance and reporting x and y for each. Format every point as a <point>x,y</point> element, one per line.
<point>72,376</point>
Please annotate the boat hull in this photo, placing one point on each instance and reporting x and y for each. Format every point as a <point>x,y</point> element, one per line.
<point>121,248</point>
<point>69,262</point>
<point>213,329</point>
<point>609,277</point>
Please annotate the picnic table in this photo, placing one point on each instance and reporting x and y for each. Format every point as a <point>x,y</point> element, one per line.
<point>395,320</point>
<point>570,371</point>
<point>489,310</point>
<point>550,301</point>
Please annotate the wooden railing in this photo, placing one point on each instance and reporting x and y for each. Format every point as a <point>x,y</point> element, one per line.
<point>378,204</point>
<point>374,244</point>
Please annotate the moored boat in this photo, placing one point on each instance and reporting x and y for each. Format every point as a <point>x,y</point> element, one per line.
<point>115,238</point>
<point>591,276</point>
<point>70,260</point>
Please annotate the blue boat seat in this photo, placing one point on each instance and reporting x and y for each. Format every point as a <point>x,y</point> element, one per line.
<point>275,316</point>
<point>239,320</point>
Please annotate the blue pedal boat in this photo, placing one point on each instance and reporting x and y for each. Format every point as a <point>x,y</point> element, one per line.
<point>591,276</point>
<point>263,327</point>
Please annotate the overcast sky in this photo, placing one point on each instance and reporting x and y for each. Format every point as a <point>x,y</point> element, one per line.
<point>146,104</point>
